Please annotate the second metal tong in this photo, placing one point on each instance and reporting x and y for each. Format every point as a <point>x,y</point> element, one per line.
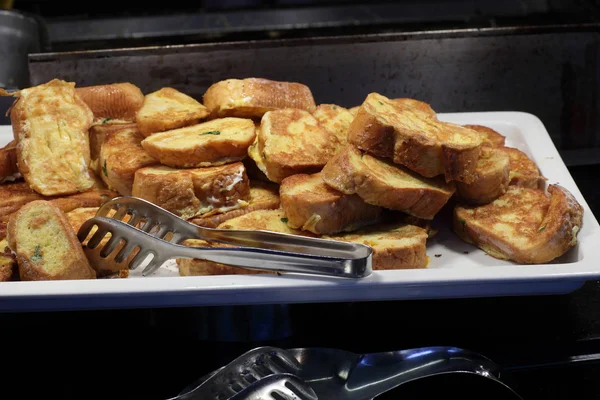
<point>137,225</point>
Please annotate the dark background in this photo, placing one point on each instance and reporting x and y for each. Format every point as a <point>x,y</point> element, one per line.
<point>548,344</point>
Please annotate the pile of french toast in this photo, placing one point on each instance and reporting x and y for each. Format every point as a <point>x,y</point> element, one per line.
<point>257,154</point>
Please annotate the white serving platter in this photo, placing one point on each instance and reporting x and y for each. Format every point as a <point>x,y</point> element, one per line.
<point>459,270</point>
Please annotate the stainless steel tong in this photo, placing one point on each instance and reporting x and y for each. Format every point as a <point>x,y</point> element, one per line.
<point>342,375</point>
<point>136,225</point>
<point>265,373</point>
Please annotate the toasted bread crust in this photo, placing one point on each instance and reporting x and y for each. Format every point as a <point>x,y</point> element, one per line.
<point>415,138</point>
<point>31,264</point>
<point>523,170</point>
<point>264,220</point>
<point>336,120</point>
<point>116,101</point>
<point>253,97</point>
<point>50,123</point>
<point>263,196</point>
<point>15,195</point>
<point>523,225</point>
<point>309,204</point>
<point>381,183</point>
<point>120,156</point>
<point>492,177</point>
<point>168,109</point>
<point>291,142</point>
<point>402,246</point>
<point>490,136</point>
<point>8,162</point>
<point>194,192</point>
<point>210,143</point>
<point>97,134</point>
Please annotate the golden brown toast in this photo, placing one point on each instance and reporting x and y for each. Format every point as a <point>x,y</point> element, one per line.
<point>491,177</point>
<point>263,196</point>
<point>121,155</point>
<point>15,195</point>
<point>524,225</point>
<point>379,182</point>
<point>523,170</point>
<point>97,134</point>
<point>400,246</point>
<point>168,109</point>
<point>45,244</point>
<point>290,142</point>
<point>417,104</point>
<point>264,220</point>
<point>8,163</point>
<point>253,97</point>
<point>8,262</point>
<point>415,138</point>
<point>490,136</point>
<point>336,120</point>
<point>215,142</point>
<point>50,123</point>
<point>104,267</point>
<point>310,205</point>
<point>194,192</point>
<point>119,101</point>
<point>354,110</point>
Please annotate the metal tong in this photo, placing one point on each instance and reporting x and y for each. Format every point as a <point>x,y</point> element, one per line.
<point>137,225</point>
<point>265,373</point>
<point>341,375</point>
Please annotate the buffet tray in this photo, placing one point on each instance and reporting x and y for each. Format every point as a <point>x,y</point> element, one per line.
<point>455,269</point>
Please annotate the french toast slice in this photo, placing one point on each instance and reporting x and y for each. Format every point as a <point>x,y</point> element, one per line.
<point>264,220</point>
<point>253,97</point>
<point>121,155</point>
<point>291,142</point>
<point>400,246</point>
<point>409,136</point>
<point>103,267</point>
<point>215,142</point>
<point>116,101</point>
<point>15,195</point>
<point>50,123</point>
<point>263,196</point>
<point>379,182</point>
<point>310,205</point>
<point>524,225</point>
<point>490,136</point>
<point>8,163</point>
<point>492,177</point>
<point>8,262</point>
<point>354,110</point>
<point>523,170</point>
<point>417,104</point>
<point>336,120</point>
<point>168,109</point>
<point>194,192</point>
<point>45,244</point>
<point>97,134</point>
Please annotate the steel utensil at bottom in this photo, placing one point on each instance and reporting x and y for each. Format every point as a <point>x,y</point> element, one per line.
<point>341,375</point>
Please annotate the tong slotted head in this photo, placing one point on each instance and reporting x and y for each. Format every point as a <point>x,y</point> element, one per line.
<point>137,225</point>
<point>265,373</point>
